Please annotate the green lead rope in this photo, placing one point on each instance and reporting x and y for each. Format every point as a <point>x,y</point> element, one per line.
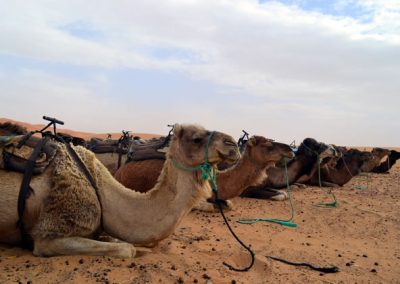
<point>334,203</point>
<point>289,222</point>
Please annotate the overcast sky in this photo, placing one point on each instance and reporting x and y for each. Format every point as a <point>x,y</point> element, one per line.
<point>282,69</point>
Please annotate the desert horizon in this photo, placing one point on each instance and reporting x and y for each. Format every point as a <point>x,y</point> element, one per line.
<point>115,135</point>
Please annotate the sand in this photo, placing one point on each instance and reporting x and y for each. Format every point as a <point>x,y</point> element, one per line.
<point>361,237</point>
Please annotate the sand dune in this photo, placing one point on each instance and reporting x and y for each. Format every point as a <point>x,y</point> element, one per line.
<point>84,135</point>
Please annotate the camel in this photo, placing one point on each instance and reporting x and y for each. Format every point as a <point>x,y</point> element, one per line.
<point>388,163</point>
<point>65,213</point>
<point>112,153</point>
<point>259,155</point>
<point>377,154</point>
<point>300,169</point>
<point>341,172</point>
<point>9,128</point>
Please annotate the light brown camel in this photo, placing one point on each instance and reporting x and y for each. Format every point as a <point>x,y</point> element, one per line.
<point>259,155</point>
<point>64,213</point>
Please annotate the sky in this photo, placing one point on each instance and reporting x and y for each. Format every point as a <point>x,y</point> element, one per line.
<point>286,69</point>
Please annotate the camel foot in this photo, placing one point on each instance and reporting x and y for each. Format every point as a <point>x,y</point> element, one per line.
<point>282,195</point>
<point>300,185</point>
<point>82,246</point>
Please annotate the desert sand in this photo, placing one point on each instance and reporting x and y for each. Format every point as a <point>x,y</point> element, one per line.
<point>361,237</point>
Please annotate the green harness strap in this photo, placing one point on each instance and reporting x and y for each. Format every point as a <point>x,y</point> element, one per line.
<point>288,223</point>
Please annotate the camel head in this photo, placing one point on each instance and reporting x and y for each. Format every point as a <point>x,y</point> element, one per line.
<point>373,158</point>
<point>191,145</point>
<point>380,153</point>
<point>312,147</point>
<point>264,151</point>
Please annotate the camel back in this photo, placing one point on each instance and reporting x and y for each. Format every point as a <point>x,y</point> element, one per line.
<point>16,150</point>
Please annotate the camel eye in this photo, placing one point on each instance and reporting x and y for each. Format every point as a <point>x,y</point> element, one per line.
<point>197,140</point>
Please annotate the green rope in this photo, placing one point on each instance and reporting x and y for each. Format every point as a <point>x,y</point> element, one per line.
<point>205,168</point>
<point>289,222</point>
<point>358,187</point>
<point>330,204</point>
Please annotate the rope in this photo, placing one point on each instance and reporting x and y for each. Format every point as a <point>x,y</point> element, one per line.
<point>358,187</point>
<point>209,172</point>
<point>330,204</point>
<point>330,269</point>
<point>289,222</point>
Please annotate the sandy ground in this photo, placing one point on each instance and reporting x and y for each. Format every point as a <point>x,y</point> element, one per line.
<point>361,237</point>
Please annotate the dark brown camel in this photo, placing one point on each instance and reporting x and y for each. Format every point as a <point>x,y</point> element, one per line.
<point>303,165</point>
<point>377,154</point>
<point>387,164</point>
<point>9,128</point>
<point>260,154</point>
<point>348,166</point>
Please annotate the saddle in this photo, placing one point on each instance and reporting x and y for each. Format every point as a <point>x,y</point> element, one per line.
<point>100,146</point>
<point>153,149</point>
<point>16,150</point>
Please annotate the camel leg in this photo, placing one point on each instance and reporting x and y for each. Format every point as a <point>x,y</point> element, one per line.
<point>204,206</point>
<point>300,185</point>
<point>82,246</point>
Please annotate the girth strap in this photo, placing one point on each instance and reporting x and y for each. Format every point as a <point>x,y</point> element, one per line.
<point>87,174</point>
<point>81,166</point>
<point>24,192</point>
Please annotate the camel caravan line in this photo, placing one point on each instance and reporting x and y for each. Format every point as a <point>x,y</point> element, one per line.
<point>59,193</point>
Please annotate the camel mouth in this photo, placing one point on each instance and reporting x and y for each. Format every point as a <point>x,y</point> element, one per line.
<point>230,157</point>
<point>290,155</point>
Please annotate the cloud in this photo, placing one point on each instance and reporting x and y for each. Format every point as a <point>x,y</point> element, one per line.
<point>290,59</point>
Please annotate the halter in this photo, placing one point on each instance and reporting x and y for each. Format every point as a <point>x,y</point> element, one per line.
<point>329,191</point>
<point>208,172</point>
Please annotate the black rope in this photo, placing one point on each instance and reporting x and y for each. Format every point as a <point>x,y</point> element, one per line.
<point>219,202</point>
<point>329,269</point>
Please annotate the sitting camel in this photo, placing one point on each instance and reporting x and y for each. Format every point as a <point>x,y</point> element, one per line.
<point>65,213</point>
<point>9,128</point>
<point>388,163</point>
<point>259,155</point>
<point>111,152</point>
<point>300,169</point>
<point>341,172</point>
<point>374,159</point>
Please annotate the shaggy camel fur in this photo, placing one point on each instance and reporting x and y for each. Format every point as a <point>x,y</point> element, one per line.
<point>64,213</point>
<point>260,154</point>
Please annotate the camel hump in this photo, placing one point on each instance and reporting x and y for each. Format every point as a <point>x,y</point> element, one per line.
<point>17,150</point>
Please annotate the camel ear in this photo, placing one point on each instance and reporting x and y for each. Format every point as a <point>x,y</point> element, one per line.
<point>178,130</point>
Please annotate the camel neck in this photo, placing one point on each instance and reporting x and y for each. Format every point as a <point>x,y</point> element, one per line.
<point>232,182</point>
<point>145,218</point>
